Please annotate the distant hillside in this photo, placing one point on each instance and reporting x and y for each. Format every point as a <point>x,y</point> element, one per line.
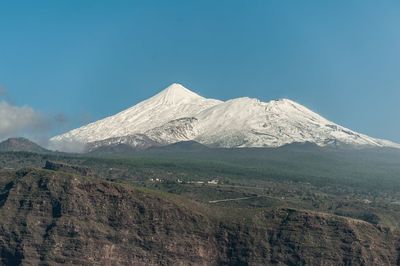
<point>184,146</point>
<point>112,149</point>
<point>125,149</point>
<point>49,218</point>
<point>21,144</point>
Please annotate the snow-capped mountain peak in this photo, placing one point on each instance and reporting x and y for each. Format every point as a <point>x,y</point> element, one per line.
<point>175,94</point>
<point>178,114</point>
<point>173,102</point>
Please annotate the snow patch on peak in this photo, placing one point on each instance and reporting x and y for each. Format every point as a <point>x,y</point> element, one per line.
<point>174,102</point>
<point>175,94</point>
<point>285,103</point>
<point>244,100</point>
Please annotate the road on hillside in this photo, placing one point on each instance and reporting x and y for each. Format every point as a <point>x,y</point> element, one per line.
<point>234,199</point>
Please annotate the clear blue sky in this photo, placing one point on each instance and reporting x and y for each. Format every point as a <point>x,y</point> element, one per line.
<point>84,60</point>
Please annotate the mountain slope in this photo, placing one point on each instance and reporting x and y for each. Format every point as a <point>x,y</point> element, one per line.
<point>172,103</point>
<point>52,218</point>
<point>247,122</point>
<point>176,114</point>
<point>21,144</point>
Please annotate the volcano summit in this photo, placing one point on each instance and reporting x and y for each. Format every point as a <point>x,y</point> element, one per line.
<point>177,114</point>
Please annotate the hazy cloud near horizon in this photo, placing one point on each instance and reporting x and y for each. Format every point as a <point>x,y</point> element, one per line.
<point>24,121</point>
<point>20,121</point>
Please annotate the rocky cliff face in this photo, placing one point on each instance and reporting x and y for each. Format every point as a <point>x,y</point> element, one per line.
<point>72,169</point>
<point>56,217</point>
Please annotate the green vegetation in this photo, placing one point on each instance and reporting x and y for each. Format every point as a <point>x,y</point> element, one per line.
<point>362,184</point>
<point>58,217</point>
<point>236,207</point>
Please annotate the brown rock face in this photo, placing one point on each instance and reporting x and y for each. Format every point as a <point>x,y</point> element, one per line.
<point>57,218</point>
<point>72,169</point>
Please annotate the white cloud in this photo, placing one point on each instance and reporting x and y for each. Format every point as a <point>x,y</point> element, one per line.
<point>21,121</point>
